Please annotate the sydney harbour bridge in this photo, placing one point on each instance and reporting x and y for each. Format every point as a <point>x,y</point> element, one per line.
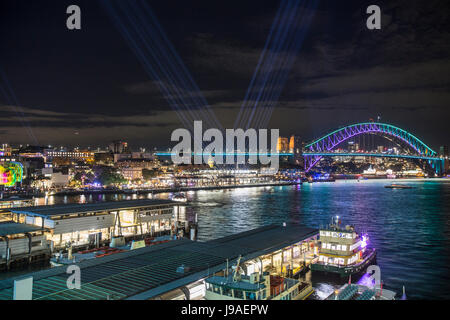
<point>409,146</point>
<point>327,145</point>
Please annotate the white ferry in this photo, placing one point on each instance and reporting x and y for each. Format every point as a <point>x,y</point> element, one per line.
<point>343,251</point>
<point>256,286</point>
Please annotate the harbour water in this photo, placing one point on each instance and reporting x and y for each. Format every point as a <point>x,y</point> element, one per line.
<point>409,227</point>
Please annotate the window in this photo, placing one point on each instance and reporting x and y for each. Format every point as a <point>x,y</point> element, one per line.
<point>36,243</point>
<point>226,291</point>
<point>250,296</point>
<point>238,294</point>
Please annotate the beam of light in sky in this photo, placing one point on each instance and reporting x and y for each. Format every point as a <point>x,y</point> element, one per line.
<point>261,60</point>
<point>11,99</point>
<point>143,33</point>
<point>288,31</point>
<point>272,65</point>
<point>282,78</point>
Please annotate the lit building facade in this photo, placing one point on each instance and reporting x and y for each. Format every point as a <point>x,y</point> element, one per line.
<point>282,144</point>
<point>81,225</point>
<point>70,155</point>
<point>118,146</point>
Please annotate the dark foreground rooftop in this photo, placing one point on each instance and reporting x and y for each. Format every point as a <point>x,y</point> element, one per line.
<point>13,228</point>
<point>63,209</point>
<point>148,272</point>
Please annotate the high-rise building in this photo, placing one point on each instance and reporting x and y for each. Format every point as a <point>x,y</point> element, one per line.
<point>353,146</point>
<point>6,150</point>
<point>443,151</point>
<point>118,147</point>
<point>295,147</point>
<point>282,145</point>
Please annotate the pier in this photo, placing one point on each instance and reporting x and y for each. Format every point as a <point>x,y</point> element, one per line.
<point>150,272</point>
<point>170,190</point>
<point>32,234</point>
<point>22,244</point>
<point>79,225</point>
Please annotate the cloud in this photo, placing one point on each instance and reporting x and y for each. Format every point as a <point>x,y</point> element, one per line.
<point>43,118</point>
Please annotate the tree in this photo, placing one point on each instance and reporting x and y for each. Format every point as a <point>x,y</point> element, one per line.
<point>108,176</point>
<point>148,174</point>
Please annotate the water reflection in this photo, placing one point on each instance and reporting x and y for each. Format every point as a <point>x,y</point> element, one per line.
<point>409,228</point>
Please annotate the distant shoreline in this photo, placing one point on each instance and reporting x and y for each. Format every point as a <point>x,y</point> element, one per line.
<point>168,190</point>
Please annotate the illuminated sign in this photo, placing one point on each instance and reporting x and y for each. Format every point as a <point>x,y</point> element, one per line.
<point>10,173</point>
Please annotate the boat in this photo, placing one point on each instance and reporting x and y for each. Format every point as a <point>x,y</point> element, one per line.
<point>342,251</point>
<point>398,186</point>
<point>353,291</point>
<point>256,286</point>
<point>179,197</point>
<point>60,259</point>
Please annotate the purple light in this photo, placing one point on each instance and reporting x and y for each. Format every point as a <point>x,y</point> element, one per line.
<point>366,280</point>
<point>364,242</point>
<point>331,142</point>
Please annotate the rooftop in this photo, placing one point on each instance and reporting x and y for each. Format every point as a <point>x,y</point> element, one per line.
<point>15,199</point>
<point>151,271</point>
<point>11,228</point>
<point>64,209</point>
<point>241,285</point>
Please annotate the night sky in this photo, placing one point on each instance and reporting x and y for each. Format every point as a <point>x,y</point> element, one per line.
<point>88,87</point>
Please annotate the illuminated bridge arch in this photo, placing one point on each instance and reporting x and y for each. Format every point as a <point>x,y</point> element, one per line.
<point>329,142</point>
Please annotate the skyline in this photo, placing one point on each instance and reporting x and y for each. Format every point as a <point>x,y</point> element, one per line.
<point>89,83</point>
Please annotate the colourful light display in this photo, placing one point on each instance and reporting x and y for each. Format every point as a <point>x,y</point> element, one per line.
<point>10,173</point>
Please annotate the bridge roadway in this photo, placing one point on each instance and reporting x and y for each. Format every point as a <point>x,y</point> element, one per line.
<point>149,272</point>
<point>360,154</point>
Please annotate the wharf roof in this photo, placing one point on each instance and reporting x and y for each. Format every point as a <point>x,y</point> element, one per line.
<point>15,199</point>
<point>66,209</point>
<point>151,271</point>
<point>229,283</point>
<point>12,228</point>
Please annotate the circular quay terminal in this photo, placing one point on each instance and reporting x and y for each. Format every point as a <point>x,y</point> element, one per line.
<point>224,159</point>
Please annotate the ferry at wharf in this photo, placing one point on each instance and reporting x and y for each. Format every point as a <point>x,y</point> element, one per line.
<point>343,251</point>
<point>256,286</point>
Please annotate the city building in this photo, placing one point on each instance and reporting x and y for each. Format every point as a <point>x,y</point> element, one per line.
<point>353,146</point>
<point>295,147</point>
<point>283,145</point>
<point>131,169</point>
<point>104,158</point>
<point>118,146</point>
<point>99,222</point>
<point>443,151</point>
<point>5,150</point>
<point>84,155</point>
